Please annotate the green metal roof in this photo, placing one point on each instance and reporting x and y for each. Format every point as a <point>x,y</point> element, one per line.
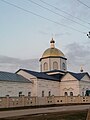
<point>12,77</point>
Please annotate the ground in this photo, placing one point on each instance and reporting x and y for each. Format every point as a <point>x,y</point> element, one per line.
<point>71,115</point>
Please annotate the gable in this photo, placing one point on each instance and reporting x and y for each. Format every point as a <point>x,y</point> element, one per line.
<point>68,77</point>
<point>25,74</point>
<point>86,78</point>
<point>78,76</point>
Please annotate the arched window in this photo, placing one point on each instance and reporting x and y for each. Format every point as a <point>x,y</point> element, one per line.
<point>82,93</point>
<point>29,94</point>
<point>63,66</point>
<point>65,94</point>
<point>71,93</point>
<point>55,65</point>
<point>45,66</point>
<point>42,93</point>
<point>20,93</point>
<point>49,93</point>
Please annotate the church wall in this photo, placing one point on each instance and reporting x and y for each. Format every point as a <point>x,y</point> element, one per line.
<point>32,78</point>
<point>34,87</point>
<point>50,62</point>
<point>68,77</point>
<point>86,78</point>
<point>55,60</point>
<point>46,86</point>
<point>63,67</point>
<point>13,88</point>
<point>69,86</point>
<point>84,85</point>
<point>42,64</point>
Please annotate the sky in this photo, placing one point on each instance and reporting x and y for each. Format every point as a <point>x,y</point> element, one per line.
<point>27,26</point>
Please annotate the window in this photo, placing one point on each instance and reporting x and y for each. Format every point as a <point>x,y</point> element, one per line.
<point>29,94</point>
<point>49,93</point>
<point>20,94</point>
<point>42,93</point>
<point>45,66</point>
<point>55,65</point>
<point>87,93</point>
<point>7,95</point>
<point>71,93</point>
<point>63,66</point>
<point>82,93</point>
<point>65,94</point>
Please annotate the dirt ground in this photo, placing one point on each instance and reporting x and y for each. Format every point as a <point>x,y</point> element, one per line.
<point>73,115</point>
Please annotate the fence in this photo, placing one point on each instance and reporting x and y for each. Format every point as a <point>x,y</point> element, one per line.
<point>7,102</point>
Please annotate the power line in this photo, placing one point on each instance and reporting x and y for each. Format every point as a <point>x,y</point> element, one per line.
<point>63,11</point>
<point>83,3</point>
<point>57,13</point>
<point>28,11</point>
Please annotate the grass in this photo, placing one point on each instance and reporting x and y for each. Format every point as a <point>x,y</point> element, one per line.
<point>73,115</point>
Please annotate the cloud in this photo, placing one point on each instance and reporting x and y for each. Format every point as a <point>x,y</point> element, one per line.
<point>78,55</point>
<point>13,64</point>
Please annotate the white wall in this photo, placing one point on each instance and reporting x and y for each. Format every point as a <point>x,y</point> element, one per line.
<point>39,85</point>
<point>69,84</point>
<point>48,85</point>
<point>55,60</point>
<point>63,61</point>
<point>47,60</point>
<point>13,88</point>
<point>84,84</point>
<point>32,78</point>
<point>50,61</point>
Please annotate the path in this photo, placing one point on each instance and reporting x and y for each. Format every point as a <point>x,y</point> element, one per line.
<point>12,113</point>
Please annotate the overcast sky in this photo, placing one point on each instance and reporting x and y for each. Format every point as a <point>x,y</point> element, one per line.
<point>27,26</point>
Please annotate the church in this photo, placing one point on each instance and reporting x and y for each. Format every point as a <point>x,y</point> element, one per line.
<point>53,79</point>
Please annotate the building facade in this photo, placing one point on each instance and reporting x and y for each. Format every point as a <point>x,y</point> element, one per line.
<point>52,80</point>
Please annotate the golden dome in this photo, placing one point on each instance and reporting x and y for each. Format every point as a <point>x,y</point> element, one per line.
<point>52,51</point>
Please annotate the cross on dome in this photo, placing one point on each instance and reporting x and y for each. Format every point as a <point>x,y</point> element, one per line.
<point>52,43</point>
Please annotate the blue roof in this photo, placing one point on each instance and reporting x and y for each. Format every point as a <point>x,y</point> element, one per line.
<point>12,77</point>
<point>78,76</point>
<point>57,76</point>
<point>40,75</point>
